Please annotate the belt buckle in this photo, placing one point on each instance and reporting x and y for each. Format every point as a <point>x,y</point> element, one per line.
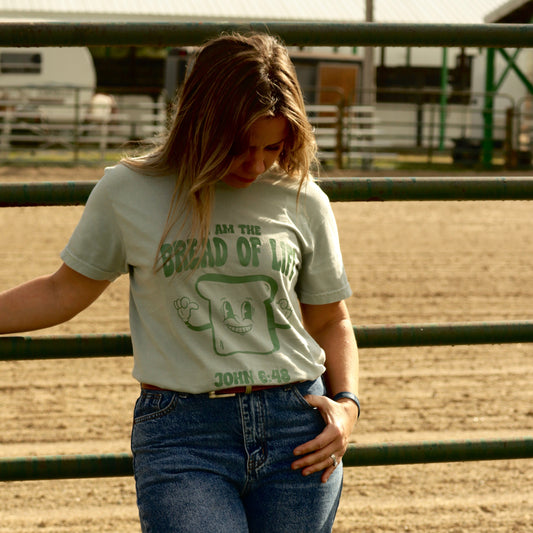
<point>221,394</point>
<point>214,395</point>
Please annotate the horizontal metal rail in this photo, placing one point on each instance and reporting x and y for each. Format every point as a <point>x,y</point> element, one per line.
<point>428,188</point>
<point>64,346</point>
<point>293,33</point>
<point>438,452</point>
<point>338,190</point>
<point>118,465</point>
<point>65,467</point>
<point>453,333</point>
<point>45,193</point>
<point>14,348</point>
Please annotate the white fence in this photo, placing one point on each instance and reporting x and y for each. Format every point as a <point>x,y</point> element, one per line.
<point>82,126</point>
<point>347,133</point>
<point>72,121</point>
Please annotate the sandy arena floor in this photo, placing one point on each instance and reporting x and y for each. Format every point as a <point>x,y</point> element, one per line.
<point>408,263</point>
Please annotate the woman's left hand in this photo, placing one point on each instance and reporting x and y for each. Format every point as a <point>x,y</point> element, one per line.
<point>317,454</point>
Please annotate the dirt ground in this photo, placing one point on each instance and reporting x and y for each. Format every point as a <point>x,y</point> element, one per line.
<point>408,262</point>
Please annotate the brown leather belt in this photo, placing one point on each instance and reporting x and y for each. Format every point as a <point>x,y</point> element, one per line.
<point>223,393</point>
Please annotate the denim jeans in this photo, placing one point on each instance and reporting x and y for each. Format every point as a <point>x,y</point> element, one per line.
<point>224,465</point>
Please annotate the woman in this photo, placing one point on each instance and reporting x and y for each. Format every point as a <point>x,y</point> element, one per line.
<point>242,341</point>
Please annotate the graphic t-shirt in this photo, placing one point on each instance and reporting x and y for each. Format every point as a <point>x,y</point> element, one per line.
<point>230,315</point>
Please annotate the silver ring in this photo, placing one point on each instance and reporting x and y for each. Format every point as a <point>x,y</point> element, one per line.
<point>334,459</point>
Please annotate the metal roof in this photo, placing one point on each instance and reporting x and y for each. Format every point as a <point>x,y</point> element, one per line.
<point>404,11</point>
<point>435,11</point>
<point>512,11</point>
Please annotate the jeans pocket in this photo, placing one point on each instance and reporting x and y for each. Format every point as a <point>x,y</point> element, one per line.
<point>154,404</point>
<point>300,396</point>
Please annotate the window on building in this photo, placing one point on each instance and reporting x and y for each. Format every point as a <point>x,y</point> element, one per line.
<point>20,63</point>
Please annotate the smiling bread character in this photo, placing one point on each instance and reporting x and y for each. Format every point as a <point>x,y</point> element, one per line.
<point>240,312</point>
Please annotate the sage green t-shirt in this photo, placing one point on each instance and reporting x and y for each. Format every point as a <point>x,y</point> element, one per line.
<point>231,316</point>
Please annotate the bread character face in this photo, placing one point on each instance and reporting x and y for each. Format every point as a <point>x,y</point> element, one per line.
<point>240,312</point>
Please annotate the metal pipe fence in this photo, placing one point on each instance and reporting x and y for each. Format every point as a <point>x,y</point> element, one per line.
<point>344,133</point>
<point>118,465</point>
<point>38,121</point>
<point>163,34</point>
<point>364,34</point>
<point>26,34</point>
<point>338,189</point>
<point>62,122</point>
<point>18,348</point>
<point>443,188</point>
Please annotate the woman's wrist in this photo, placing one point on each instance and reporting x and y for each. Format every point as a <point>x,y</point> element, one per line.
<point>346,395</point>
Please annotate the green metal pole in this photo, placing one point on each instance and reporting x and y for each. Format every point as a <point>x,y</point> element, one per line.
<point>338,190</point>
<point>403,335</point>
<point>443,98</point>
<point>118,465</point>
<point>65,346</point>
<point>488,110</point>
<point>45,193</point>
<point>511,64</point>
<point>399,335</point>
<point>438,452</point>
<point>65,467</point>
<point>293,33</point>
<point>427,188</point>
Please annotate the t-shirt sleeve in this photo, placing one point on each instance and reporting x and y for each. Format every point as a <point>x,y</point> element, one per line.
<point>322,277</point>
<point>96,247</point>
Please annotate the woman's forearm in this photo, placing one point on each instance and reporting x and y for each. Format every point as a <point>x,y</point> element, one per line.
<point>342,360</point>
<point>331,327</point>
<point>30,306</point>
<point>47,301</point>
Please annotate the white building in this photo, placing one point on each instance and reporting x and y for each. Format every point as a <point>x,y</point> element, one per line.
<point>420,123</point>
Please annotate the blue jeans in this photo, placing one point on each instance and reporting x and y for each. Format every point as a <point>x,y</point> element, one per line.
<point>224,465</point>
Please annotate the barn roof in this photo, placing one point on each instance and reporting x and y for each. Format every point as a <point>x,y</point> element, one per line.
<point>405,11</point>
<point>512,11</point>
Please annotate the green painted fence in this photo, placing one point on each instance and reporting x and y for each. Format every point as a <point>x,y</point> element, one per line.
<point>26,34</point>
<point>293,33</point>
<point>338,190</point>
<point>25,348</point>
<point>116,465</point>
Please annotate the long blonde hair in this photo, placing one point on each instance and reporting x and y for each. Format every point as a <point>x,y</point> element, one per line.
<point>235,80</point>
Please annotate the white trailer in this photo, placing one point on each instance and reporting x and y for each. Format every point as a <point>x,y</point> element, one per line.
<point>48,80</point>
<point>43,93</point>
